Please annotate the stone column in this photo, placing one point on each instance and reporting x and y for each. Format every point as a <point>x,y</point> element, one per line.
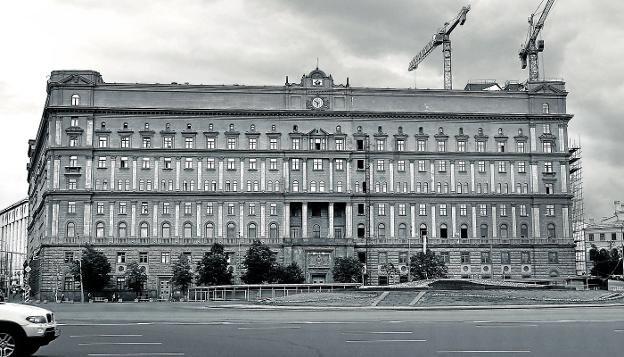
<point>262,220</point>
<point>412,175</point>
<point>286,232</point>
<point>330,233</point>
<point>304,172</point>
<point>200,185</point>
<point>452,164</point>
<point>177,178</point>
<point>304,219</point>
<point>391,168</point>
<point>536,222</point>
<point>514,223</point>
<point>413,221</point>
<point>133,220</point>
<point>134,173</point>
<point>88,173</point>
<point>434,227</point>
<point>177,220</point>
<point>492,180</point>
<point>432,183</point>
<point>392,235</point>
<point>199,219</point>
<point>331,175</point>
<point>349,220</point>
<point>454,220</point>
<point>472,177</point>
<point>111,221</point>
<point>220,182</point>
<point>155,220</point>
<point>532,138</point>
<point>512,177</point>
<point>494,222</point>
<point>156,183</point>
<point>220,221</point>
<point>474,221</point>
<point>348,163</point>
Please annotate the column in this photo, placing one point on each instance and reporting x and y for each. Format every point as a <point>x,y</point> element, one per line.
<point>134,173</point>
<point>88,173</point>
<point>413,220</point>
<point>59,128</point>
<point>392,235</point>
<point>331,176</point>
<point>155,220</point>
<point>242,175</point>
<point>199,219</point>
<point>111,222</point>
<point>434,227</point>
<point>177,178</point>
<point>112,173</point>
<point>220,183</point>
<point>514,223</point>
<point>348,163</point>
<point>48,172</point>
<point>513,178</point>
<point>220,221</point>
<point>474,221</point>
<point>304,219</point>
<point>564,176</point>
<point>562,138</point>
<point>391,167</point>
<point>304,172</point>
<point>534,182</point>
<point>454,221</point>
<point>133,220</point>
<point>371,227</point>
<point>533,137</point>
<point>200,185</point>
<point>156,186</point>
<point>472,177</point>
<point>87,219</point>
<point>262,220</point>
<point>57,173</point>
<point>536,222</point>
<point>432,183</point>
<point>286,176</point>
<point>241,223</point>
<point>412,175</point>
<point>349,219</point>
<point>55,220</point>
<point>492,181</point>
<point>286,231</point>
<point>89,133</point>
<point>262,175</point>
<point>176,228</point>
<point>565,216</point>
<point>494,222</point>
<point>452,176</point>
<point>330,233</point>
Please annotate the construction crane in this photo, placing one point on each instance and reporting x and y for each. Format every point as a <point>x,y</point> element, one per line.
<point>532,46</point>
<point>442,37</point>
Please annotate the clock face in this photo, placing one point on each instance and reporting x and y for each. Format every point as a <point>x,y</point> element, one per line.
<point>317,102</point>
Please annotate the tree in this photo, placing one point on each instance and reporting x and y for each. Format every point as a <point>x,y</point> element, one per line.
<point>135,278</point>
<point>260,262</point>
<point>606,263</point>
<point>427,266</point>
<point>182,274</point>
<point>95,270</point>
<point>213,268</point>
<point>347,270</point>
<point>290,274</point>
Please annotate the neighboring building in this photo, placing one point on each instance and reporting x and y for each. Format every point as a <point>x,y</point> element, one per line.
<point>315,169</point>
<point>13,238</point>
<point>607,234</point>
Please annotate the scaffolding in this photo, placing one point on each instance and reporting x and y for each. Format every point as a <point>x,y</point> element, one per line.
<point>577,216</point>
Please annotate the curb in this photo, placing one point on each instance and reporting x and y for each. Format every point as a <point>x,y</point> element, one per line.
<point>411,308</point>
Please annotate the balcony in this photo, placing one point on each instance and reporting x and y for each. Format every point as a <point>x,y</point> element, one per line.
<point>73,170</point>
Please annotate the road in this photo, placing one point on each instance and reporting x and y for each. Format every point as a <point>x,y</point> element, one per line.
<point>133,330</point>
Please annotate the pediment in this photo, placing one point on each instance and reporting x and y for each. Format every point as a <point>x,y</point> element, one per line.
<point>547,88</point>
<point>76,79</point>
<point>318,132</point>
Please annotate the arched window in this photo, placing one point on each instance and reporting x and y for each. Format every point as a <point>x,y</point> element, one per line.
<point>276,186</point>
<point>165,230</point>
<point>99,230</point>
<point>252,231</point>
<point>545,108</point>
<point>465,187</point>
<point>425,187</point>
<point>210,230</point>
<point>484,231</point>
<point>377,186</point>
<point>122,230</point>
<point>312,186</point>
<point>550,231</point>
<point>503,231</point>
<point>381,231</point>
<point>402,231</point>
<point>231,230</point>
<point>361,230</point>
<point>273,230</point>
<point>249,186</point>
<point>295,186</point>
<point>463,231</point>
<point>339,186</point>
<point>443,231</point>
<point>459,187</point>
<point>423,231</point>
<point>75,100</point>
<point>524,231</point>
<point>321,186</point>
<point>144,230</point>
<point>316,231</point>
<point>439,187</point>
<point>418,187</point>
<point>446,187</point>
<point>269,186</point>
<point>71,230</point>
<point>518,188</point>
<point>188,230</point>
<point>256,186</point>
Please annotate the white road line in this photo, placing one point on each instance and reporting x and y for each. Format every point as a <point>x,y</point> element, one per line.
<point>618,330</point>
<point>119,343</point>
<point>83,336</point>
<point>271,328</point>
<point>136,354</point>
<point>376,332</point>
<point>382,341</point>
<point>483,351</point>
<point>497,326</point>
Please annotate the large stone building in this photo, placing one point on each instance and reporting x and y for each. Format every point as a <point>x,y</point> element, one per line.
<point>13,238</point>
<point>315,169</point>
<point>608,234</point>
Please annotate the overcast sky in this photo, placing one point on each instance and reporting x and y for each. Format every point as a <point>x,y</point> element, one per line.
<point>262,41</point>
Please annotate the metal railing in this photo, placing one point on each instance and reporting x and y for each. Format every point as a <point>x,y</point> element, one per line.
<point>260,291</point>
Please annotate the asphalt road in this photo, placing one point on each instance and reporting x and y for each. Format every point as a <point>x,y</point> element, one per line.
<point>133,330</point>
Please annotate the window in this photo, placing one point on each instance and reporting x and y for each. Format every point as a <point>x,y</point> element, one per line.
<point>503,210</point>
<point>402,210</point>
<point>553,258</point>
<point>421,166</point>
<point>483,230</point>
<point>125,142</point>
<point>463,231</point>
<point>400,145</point>
<point>381,209</point>
<point>339,164</point>
<point>613,236</point>
<point>165,257</point>
<point>421,145</point>
<point>441,146</point>
<point>145,163</point>
<point>461,146</point>
<point>360,164</point>
<point>144,230</point>
<point>505,258</point>
<point>188,230</point>
<point>122,230</point>
<point>443,231</point>
<point>71,207</point>
<point>483,211</point>
<point>210,230</point>
<point>231,164</point>
<point>73,141</point>
<point>122,208</point>
<point>168,142</point>
<point>523,210</point>
<point>602,236</point>
<point>524,231</point>
<point>273,144</point>
<point>296,144</point>
<point>361,231</point>
<point>165,230</point>
<point>100,208</point>
<point>144,208</point>
<point>75,100</point>
<point>548,167</point>
<point>550,210</point>
<point>231,143</point>
<point>380,165</point>
<point>211,143</point>
<point>521,167</point>
<point>273,230</point>
<point>480,146</point>
<point>252,209</point>
<point>121,257</point>
<point>360,209</point>
<point>317,164</point>
<point>525,257</point>
<point>165,209</point>
<point>273,164</point>
<point>549,187</point>
<point>547,146</point>
<point>443,209</point>
<point>210,163</point>
<point>402,231</point>
<point>502,167</point>
<point>252,230</point>
<point>485,258</point>
<point>591,237</point>
<point>520,146</point>
<point>500,146</point>
<point>462,210</point>
<point>441,166</point>
<point>147,142</point>
<point>381,231</point>
<point>71,230</point>
<point>359,144</point>
<point>167,163</point>
<point>481,166</point>
<point>230,209</point>
<point>446,258</point>
<point>465,257</point>
<point>401,166</point>
<point>69,257</point>
<point>72,184</point>
<point>503,231</point>
<point>273,209</point>
<point>550,231</point>
<point>422,209</point>
<point>339,186</point>
<point>545,108</point>
<point>295,186</point>
<point>340,144</point>
<point>103,141</point>
<point>461,166</point>
<point>188,209</point>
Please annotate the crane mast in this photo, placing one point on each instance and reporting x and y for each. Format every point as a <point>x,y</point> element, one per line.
<point>442,38</point>
<point>530,49</point>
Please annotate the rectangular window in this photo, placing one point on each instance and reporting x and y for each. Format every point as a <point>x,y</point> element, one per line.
<point>381,144</point>
<point>123,162</point>
<point>500,146</point>
<point>144,208</point>
<point>273,164</point>
<point>547,146</point>
<point>441,166</point>
<point>73,141</point>
<point>72,184</point>
<point>550,210</point>
<point>231,164</point>
<point>69,257</point>
<point>461,146</point>
<point>505,257</point>
<point>125,142</point>
<point>546,128</point>
<point>317,164</point>
<point>189,143</point>
<point>165,257</point>
<point>481,166</point>
<point>340,144</point>
<point>120,283</point>
<point>123,208</point>
<point>553,258</point>
<point>71,207</point>
<point>400,145</point>
<point>145,163</point>
<point>422,209</point>
<point>520,146</point>
<point>294,164</point>
<point>253,143</point>
<point>188,209</point>
<point>360,209</point>
<point>273,209</point>
<point>480,146</point>
<point>381,209</point>
<point>602,236</point>
<point>525,257</point>
<point>296,144</point>
<point>441,146</point>
<point>461,166</point>
<point>465,257</point>
<point>147,142</point>
<point>121,257</point>
<point>188,163</point>
<point>100,208</point>
<point>165,207</point>
<point>210,163</point>
<point>591,237</point>
<point>380,165</point>
<point>339,164</point>
<point>549,187</point>
<point>523,211</point>
<point>502,167</point>
<point>167,163</point>
<point>211,143</point>
<point>359,144</point>
<point>443,210</point>
<point>485,258</point>
<point>483,211</point>
<point>103,141</point>
<point>101,162</point>
<point>402,258</point>
<point>421,166</point>
<point>252,209</point>
<point>421,145</point>
<point>230,209</point>
<point>401,166</point>
<point>143,257</point>
<point>383,258</point>
<point>231,143</point>
<point>273,144</point>
<point>445,256</point>
<point>521,167</point>
<point>168,142</point>
<point>613,236</point>
<point>253,165</point>
<point>502,210</point>
<point>548,167</point>
<point>463,210</point>
<point>402,210</point>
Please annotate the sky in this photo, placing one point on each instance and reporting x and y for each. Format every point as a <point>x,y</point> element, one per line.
<point>262,41</point>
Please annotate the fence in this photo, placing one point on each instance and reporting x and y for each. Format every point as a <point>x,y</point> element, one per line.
<point>260,291</point>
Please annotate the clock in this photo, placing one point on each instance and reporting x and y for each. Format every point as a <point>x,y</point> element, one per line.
<point>317,103</point>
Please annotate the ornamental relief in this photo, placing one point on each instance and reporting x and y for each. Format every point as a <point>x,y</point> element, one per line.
<point>318,259</point>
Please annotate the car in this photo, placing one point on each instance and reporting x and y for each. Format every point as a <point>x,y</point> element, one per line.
<point>24,329</point>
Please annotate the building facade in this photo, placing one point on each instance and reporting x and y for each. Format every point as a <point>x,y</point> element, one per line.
<point>13,239</point>
<point>315,169</point>
<point>606,234</point>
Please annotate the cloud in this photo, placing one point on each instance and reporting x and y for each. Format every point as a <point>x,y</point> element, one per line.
<point>260,42</point>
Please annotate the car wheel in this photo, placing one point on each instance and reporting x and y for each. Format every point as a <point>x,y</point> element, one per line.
<point>9,343</point>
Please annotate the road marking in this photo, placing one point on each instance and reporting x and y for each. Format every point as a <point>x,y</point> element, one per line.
<point>271,328</point>
<point>484,351</point>
<point>417,298</point>
<point>82,336</point>
<point>618,330</point>
<point>119,343</point>
<point>136,354</point>
<point>497,326</point>
<point>382,341</point>
<point>376,332</point>
<point>380,298</point>
<point>327,322</point>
